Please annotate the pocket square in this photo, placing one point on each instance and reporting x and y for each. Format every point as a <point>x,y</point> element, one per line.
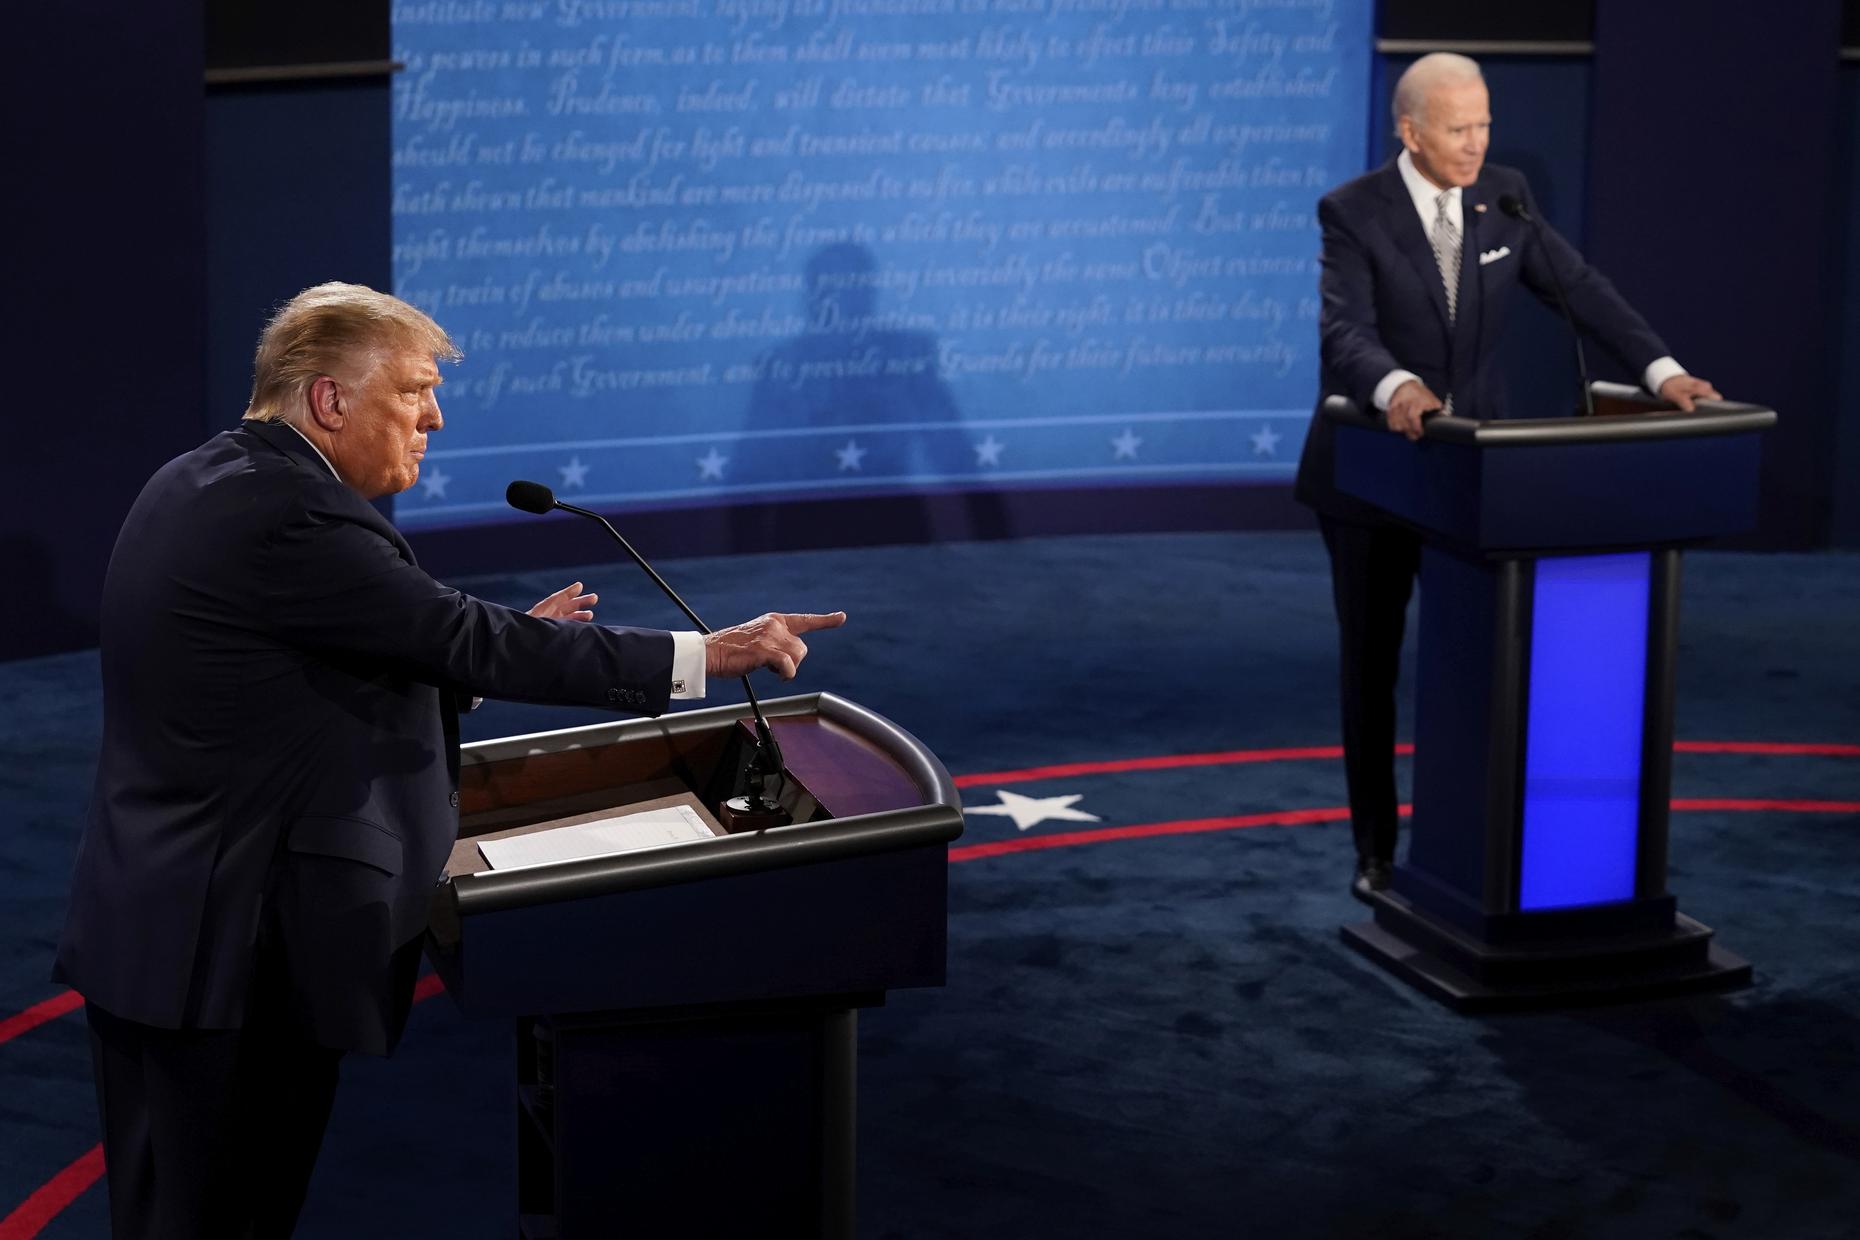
<point>1492,256</point>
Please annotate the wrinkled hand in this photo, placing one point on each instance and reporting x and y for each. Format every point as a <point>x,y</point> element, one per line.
<point>1682,390</point>
<point>568,603</point>
<point>1410,401</point>
<point>771,640</point>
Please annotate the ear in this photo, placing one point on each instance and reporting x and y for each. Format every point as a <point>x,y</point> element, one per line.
<point>1404,129</point>
<point>325,397</point>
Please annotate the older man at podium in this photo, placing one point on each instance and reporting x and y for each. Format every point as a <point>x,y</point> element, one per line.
<point>277,789</point>
<point>1421,259</point>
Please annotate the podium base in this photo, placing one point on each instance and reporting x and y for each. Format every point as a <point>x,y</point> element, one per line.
<point>735,1119</point>
<point>1468,975</point>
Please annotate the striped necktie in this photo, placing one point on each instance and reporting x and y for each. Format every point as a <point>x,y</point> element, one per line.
<point>1447,251</point>
<point>1447,256</point>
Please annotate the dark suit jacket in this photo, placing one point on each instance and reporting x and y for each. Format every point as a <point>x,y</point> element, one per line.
<point>1385,308</point>
<point>276,793</point>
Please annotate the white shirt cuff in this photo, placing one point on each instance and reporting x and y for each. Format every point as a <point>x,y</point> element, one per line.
<point>687,666</point>
<point>1385,390</point>
<point>1658,372</point>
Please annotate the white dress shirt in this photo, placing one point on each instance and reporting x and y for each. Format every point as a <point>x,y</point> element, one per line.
<point>687,647</point>
<point>1425,193</point>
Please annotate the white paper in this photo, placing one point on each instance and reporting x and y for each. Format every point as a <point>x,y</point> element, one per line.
<point>653,828</point>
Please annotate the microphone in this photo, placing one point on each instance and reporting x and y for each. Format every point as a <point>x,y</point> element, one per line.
<point>1512,206</point>
<point>755,809</point>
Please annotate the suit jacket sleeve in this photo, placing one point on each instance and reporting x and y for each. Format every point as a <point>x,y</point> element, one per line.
<point>331,583</point>
<point>1351,343</point>
<point>1598,308</point>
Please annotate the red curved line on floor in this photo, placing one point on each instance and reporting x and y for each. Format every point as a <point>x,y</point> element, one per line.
<point>1165,762</point>
<point>1161,762</point>
<point>38,1014</point>
<point>1184,826</point>
<point>53,1196</point>
<point>1340,813</point>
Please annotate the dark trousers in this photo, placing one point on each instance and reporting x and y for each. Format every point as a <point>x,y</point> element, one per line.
<point>208,1134</point>
<point>1372,572</point>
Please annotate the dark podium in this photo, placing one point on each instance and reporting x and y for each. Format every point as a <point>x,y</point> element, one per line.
<point>1536,867</point>
<point>686,1015</point>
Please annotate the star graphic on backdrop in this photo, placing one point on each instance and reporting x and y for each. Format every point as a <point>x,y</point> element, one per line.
<point>850,455</point>
<point>435,483</point>
<point>1029,811</point>
<point>1126,446</point>
<point>574,474</point>
<point>988,452</point>
<point>711,464</point>
<point>1266,442</point>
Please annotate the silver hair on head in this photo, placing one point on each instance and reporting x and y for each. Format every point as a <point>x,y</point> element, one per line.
<point>1412,88</point>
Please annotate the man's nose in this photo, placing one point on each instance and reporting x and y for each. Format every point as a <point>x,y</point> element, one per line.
<point>434,420</point>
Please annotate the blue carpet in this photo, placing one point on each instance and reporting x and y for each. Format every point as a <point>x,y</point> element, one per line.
<point>1160,1037</point>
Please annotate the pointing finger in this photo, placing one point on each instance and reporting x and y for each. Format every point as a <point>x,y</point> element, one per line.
<point>808,622</point>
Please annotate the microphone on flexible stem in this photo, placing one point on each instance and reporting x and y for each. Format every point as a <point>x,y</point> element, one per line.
<point>750,812</point>
<point>1512,206</point>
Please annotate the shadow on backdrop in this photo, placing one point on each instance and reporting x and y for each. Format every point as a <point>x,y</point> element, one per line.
<point>854,367</point>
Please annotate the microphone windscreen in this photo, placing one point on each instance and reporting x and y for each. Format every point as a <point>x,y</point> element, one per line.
<point>1509,204</point>
<point>529,496</point>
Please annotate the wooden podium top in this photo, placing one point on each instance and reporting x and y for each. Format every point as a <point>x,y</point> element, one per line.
<point>856,884</point>
<point>845,773</point>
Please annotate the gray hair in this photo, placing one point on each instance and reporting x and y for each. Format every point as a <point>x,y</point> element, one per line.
<point>1420,78</point>
<point>315,330</point>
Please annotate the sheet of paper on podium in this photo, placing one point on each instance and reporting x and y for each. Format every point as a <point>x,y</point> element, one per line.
<point>653,828</point>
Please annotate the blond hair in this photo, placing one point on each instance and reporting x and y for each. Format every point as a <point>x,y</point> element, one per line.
<point>315,331</point>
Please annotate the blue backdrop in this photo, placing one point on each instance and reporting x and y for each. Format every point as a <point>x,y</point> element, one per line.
<point>752,249</point>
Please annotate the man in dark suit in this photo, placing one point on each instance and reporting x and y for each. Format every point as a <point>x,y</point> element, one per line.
<point>1419,270</point>
<point>276,793</point>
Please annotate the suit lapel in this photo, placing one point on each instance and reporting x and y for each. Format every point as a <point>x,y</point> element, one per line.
<point>1404,225</point>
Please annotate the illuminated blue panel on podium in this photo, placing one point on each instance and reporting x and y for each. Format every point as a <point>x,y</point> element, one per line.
<point>1586,716</point>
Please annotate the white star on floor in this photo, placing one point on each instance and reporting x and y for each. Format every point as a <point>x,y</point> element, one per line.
<point>1266,442</point>
<point>850,455</point>
<point>988,452</point>
<point>711,465</point>
<point>1029,811</point>
<point>574,474</point>
<point>435,484</point>
<point>1126,446</point>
